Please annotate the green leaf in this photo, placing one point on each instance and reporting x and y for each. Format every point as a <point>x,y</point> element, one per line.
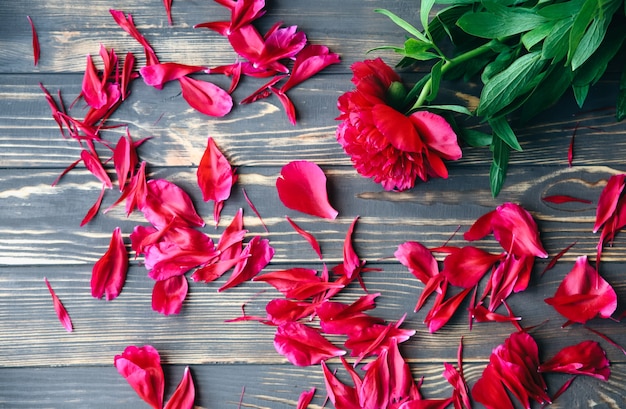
<point>435,73</point>
<point>418,50</point>
<point>580,94</point>
<point>620,113</point>
<point>499,165</point>
<point>425,7</point>
<point>590,42</point>
<point>593,69</point>
<point>476,138</point>
<point>459,109</point>
<point>505,87</point>
<point>560,11</point>
<point>403,24</point>
<point>556,43</point>
<point>537,34</point>
<point>501,128</point>
<point>500,21</point>
<point>548,92</point>
<point>503,60</point>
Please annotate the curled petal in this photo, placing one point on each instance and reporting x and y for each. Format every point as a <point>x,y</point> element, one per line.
<point>157,75</point>
<point>168,295</point>
<point>441,313</point>
<point>307,236</point>
<point>585,358</point>
<point>302,345</point>
<point>93,87</point>
<point>60,310</point>
<point>418,259</point>
<point>254,258</point>
<point>206,97</point>
<point>184,395</point>
<point>607,204</point>
<point>397,128</point>
<point>437,134</point>
<point>141,367</point>
<point>127,24</point>
<point>109,273</point>
<point>312,59</point>
<point>302,186</point>
<point>93,164</point>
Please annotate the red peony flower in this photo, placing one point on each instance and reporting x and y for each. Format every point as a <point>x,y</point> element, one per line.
<point>385,144</point>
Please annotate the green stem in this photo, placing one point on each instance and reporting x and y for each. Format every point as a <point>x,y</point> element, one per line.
<point>447,65</point>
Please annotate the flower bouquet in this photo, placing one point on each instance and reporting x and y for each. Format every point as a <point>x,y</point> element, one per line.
<point>527,54</point>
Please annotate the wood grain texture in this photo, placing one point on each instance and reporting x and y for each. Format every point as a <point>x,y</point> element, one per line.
<point>42,366</point>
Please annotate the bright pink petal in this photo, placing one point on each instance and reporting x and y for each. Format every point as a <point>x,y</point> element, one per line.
<point>305,399</point>
<point>93,164</point>
<point>157,75</point>
<point>418,259</point>
<point>127,75</point>
<point>206,97</point>
<point>168,295</point>
<point>288,106</point>
<point>60,310</point>
<point>339,318</point>
<point>184,395</point>
<point>254,209</point>
<point>302,345</point>
<point>351,262</point>
<point>215,177</point>
<point>466,266</point>
<point>372,340</point>
<point>281,43</point>
<point>584,294</point>
<point>168,10</point>
<point>481,227</point>
<point>302,186</point>
<point>255,257</point>
<point>93,88</point>
<point>122,160</point>
<point>311,60</point>
<point>141,367</point>
<point>165,201</point>
<point>607,203</point>
<point>516,230</point>
<point>297,283</point>
<point>585,358</point>
<point>36,48</point>
<point>280,310</point>
<point>437,134</point>
<point>93,210</point>
<point>560,199</point>
<point>341,395</point>
<point>397,129</point>
<point>307,236</point>
<point>128,25</point>
<point>109,273</point>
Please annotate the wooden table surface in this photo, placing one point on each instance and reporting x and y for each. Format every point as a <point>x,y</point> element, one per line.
<point>43,366</point>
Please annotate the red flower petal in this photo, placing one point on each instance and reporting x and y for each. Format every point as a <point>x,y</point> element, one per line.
<point>467,265</point>
<point>489,390</point>
<point>583,294</point>
<point>93,165</point>
<point>255,257</point>
<point>165,201</point>
<point>311,60</point>
<point>254,209</point>
<point>288,106</point>
<point>184,395</point>
<point>437,134</point>
<point>307,236</point>
<point>109,273</point>
<point>560,199</point>
<point>607,203</point>
<point>303,346</point>
<point>302,186</point>
<point>305,399</point>
<point>339,318</point>
<point>128,25</point>
<point>397,128</point>
<point>141,366</point>
<point>60,310</point>
<point>341,395</point>
<point>36,48</point>
<point>297,283</point>
<point>93,87</point>
<point>157,75</point>
<point>585,358</point>
<point>372,340</point>
<point>215,177</point>
<point>442,311</point>
<point>93,210</point>
<point>206,97</point>
<point>168,10</point>
<point>418,259</point>
<point>168,295</point>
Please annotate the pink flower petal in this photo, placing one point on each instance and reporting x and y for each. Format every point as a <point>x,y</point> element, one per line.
<point>168,10</point>
<point>307,236</point>
<point>128,25</point>
<point>311,60</point>
<point>93,210</point>
<point>583,294</point>
<point>305,399</point>
<point>302,186</point>
<point>165,201</point>
<point>297,283</point>
<point>215,177</point>
<point>184,395</point>
<point>109,272</point>
<point>585,358</point>
<point>288,106</point>
<point>206,97</point>
<point>255,257</point>
<point>437,134</point>
<point>93,165</point>
<point>302,345</point>
<point>141,367</point>
<point>36,48</point>
<point>254,209</point>
<point>560,199</point>
<point>418,259</point>
<point>60,310</point>
<point>157,75</point>
<point>93,87</point>
<point>168,295</point>
<point>607,203</point>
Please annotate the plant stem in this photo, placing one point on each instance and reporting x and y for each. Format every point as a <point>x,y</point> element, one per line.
<point>447,65</point>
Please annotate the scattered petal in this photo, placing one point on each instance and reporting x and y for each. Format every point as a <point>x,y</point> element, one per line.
<point>141,367</point>
<point>157,75</point>
<point>305,399</point>
<point>109,273</point>
<point>255,257</point>
<point>206,97</point>
<point>302,186</point>
<point>184,395</point>
<point>585,358</point>
<point>60,310</point>
<point>36,48</point>
<point>215,177</point>
<point>253,207</point>
<point>302,345</point>
<point>560,199</point>
<point>168,295</point>
<point>307,236</point>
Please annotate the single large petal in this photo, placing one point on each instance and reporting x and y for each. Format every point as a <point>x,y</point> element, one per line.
<point>109,272</point>
<point>607,203</point>
<point>215,177</point>
<point>585,358</point>
<point>584,294</point>
<point>93,165</point>
<point>312,59</point>
<point>516,231</point>
<point>166,201</point>
<point>141,367</point>
<point>302,186</point>
<point>297,283</point>
<point>206,97</point>
<point>490,391</point>
<point>467,265</point>
<point>168,295</point>
<point>184,395</point>
<point>302,345</point>
<point>93,87</point>
<point>418,259</point>
<point>437,134</point>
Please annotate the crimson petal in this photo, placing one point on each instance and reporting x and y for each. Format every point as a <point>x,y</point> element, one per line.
<point>184,395</point>
<point>109,272</point>
<point>585,358</point>
<point>255,257</point>
<point>302,186</point>
<point>307,236</point>
<point>141,367</point>
<point>168,295</point>
<point>36,47</point>
<point>60,310</point>
<point>302,345</point>
<point>206,97</point>
<point>215,177</point>
<point>397,129</point>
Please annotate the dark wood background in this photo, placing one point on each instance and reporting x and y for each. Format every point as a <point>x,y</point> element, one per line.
<point>42,366</point>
